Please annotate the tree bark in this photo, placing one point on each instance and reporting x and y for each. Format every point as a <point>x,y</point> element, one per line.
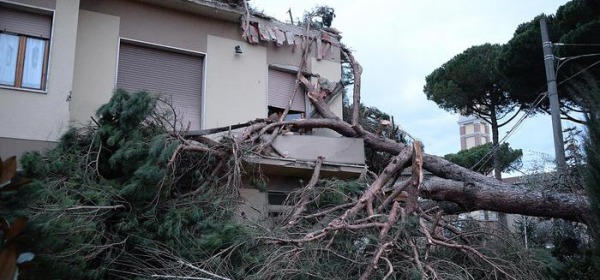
<point>502,219</point>
<point>466,188</point>
<point>495,142</point>
<point>508,199</point>
<point>357,69</point>
<point>488,194</point>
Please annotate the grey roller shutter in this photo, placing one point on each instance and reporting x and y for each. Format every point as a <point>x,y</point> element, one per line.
<point>176,75</point>
<point>281,88</point>
<point>25,23</point>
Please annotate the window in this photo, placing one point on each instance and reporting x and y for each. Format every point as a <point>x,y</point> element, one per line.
<point>177,75</point>
<point>276,197</point>
<point>24,42</point>
<point>276,204</point>
<point>275,113</point>
<point>281,89</point>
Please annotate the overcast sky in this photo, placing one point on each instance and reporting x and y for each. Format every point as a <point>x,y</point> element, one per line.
<point>399,43</point>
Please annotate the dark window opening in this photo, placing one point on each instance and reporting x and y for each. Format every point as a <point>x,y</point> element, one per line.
<point>276,198</point>
<point>275,113</point>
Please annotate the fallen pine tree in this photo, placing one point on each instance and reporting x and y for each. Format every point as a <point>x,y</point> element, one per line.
<point>131,196</point>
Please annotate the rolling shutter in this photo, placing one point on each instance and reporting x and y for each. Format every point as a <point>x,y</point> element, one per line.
<point>281,88</point>
<point>173,74</point>
<point>25,23</point>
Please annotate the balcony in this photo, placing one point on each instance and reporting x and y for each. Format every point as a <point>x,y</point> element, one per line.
<point>344,157</point>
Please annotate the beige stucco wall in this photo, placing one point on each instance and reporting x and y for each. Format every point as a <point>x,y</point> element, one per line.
<point>292,55</point>
<point>47,4</point>
<point>469,129</point>
<point>253,205</point>
<point>309,147</point>
<point>470,142</point>
<point>83,65</point>
<point>16,147</point>
<point>333,72</point>
<point>45,116</point>
<point>235,83</point>
<point>95,64</point>
<point>285,55</point>
<point>159,25</point>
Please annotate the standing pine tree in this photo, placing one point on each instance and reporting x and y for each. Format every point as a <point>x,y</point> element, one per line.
<point>592,174</point>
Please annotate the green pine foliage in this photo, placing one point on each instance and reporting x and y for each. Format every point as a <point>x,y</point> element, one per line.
<point>479,159</point>
<point>370,119</point>
<point>336,192</point>
<point>592,172</point>
<point>109,203</point>
<point>104,199</point>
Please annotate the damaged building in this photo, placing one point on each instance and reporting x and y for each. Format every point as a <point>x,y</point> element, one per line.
<point>215,61</point>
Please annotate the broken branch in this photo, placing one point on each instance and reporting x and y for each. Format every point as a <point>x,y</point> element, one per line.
<point>301,205</point>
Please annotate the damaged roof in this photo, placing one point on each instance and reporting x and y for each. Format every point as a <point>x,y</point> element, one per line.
<point>256,27</point>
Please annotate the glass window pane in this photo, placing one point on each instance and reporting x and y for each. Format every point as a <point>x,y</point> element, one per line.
<point>33,64</point>
<point>9,49</point>
<point>293,116</point>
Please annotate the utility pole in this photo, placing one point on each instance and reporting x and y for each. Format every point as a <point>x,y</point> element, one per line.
<point>559,149</point>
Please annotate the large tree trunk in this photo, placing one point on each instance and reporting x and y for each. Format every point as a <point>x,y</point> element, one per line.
<point>502,219</point>
<point>495,142</point>
<point>506,198</point>
<point>468,189</point>
<point>384,208</point>
<point>465,188</point>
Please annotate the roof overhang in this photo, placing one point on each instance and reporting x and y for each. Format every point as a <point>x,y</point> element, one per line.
<point>212,9</point>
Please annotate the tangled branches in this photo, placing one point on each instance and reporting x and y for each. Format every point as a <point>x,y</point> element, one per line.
<point>389,228</point>
<point>139,195</point>
<point>372,236</point>
<point>111,194</point>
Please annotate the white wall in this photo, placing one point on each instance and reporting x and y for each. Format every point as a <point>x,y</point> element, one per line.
<point>469,129</point>
<point>95,64</point>
<point>45,116</point>
<point>253,205</point>
<point>236,84</point>
<point>470,142</point>
<point>333,72</point>
<point>82,69</point>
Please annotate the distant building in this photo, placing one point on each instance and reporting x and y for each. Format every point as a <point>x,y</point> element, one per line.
<point>473,132</point>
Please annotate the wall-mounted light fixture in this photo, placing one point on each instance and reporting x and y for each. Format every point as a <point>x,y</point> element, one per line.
<point>238,49</point>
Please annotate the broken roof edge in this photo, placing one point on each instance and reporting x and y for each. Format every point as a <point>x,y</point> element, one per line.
<point>255,14</point>
<point>225,4</point>
<point>234,11</point>
<point>261,19</point>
